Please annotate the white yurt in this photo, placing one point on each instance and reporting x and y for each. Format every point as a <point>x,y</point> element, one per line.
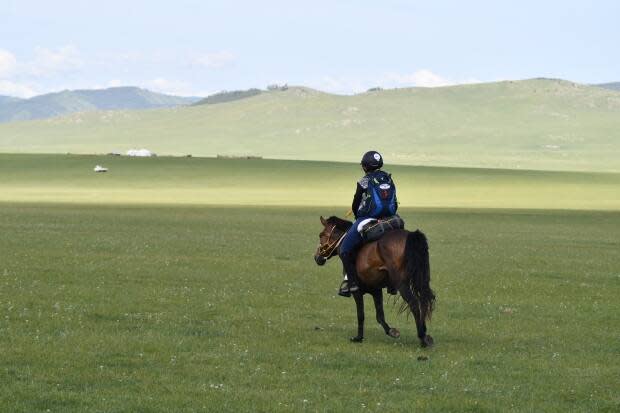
<point>139,152</point>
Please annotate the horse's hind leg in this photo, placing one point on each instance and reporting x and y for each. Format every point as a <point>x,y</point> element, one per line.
<point>377,296</point>
<point>359,304</point>
<point>414,306</point>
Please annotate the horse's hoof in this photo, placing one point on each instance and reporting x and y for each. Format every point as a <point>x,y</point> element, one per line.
<point>357,339</point>
<point>394,333</point>
<point>427,341</point>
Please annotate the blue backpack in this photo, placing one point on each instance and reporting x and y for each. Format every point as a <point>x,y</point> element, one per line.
<point>379,200</point>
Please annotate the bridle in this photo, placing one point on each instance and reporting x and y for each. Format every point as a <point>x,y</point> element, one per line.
<point>327,250</point>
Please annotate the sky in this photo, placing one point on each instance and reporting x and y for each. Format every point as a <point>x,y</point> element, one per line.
<point>196,48</point>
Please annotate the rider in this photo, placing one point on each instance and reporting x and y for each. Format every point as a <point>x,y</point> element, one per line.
<point>363,207</point>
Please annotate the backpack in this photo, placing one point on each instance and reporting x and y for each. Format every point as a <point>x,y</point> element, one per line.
<point>379,200</point>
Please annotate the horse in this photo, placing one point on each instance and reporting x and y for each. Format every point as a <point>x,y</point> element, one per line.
<point>399,259</point>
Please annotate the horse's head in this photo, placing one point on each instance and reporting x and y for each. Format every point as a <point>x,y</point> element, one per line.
<point>329,240</point>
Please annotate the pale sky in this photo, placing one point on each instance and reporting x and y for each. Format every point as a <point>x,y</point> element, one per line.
<point>191,47</point>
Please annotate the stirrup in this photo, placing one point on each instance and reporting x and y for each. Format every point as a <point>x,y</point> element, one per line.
<point>344,291</point>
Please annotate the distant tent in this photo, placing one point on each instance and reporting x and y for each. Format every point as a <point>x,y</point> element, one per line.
<point>140,152</point>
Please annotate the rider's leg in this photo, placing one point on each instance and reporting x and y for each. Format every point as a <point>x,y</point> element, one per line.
<point>343,290</point>
<point>349,260</point>
<point>348,255</point>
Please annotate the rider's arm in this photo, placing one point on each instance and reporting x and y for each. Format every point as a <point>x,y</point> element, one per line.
<point>357,199</point>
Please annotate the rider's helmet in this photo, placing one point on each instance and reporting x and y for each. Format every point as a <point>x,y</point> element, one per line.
<point>371,161</point>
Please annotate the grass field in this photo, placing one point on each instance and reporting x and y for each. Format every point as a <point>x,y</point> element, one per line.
<point>530,124</point>
<point>70,179</point>
<point>222,309</point>
<point>141,290</point>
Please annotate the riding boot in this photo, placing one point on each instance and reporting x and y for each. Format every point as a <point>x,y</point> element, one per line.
<point>349,261</point>
<point>343,290</point>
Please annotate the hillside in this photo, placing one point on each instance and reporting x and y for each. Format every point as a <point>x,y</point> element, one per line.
<point>610,86</point>
<point>224,97</point>
<point>66,102</point>
<point>530,124</point>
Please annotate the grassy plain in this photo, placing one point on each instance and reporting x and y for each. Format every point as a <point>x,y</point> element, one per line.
<point>62,178</point>
<point>530,124</point>
<point>133,308</point>
<point>125,295</point>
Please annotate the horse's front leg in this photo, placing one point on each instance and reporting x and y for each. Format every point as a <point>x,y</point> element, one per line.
<point>359,304</point>
<point>377,296</point>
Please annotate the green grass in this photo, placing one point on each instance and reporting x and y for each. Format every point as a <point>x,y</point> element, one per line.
<point>144,290</point>
<point>178,308</point>
<point>532,124</point>
<point>66,179</point>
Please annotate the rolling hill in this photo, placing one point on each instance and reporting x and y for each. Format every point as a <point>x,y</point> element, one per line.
<point>65,102</point>
<point>530,124</point>
<point>224,97</point>
<point>610,86</point>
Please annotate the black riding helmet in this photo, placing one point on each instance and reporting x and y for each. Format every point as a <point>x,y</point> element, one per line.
<point>371,161</point>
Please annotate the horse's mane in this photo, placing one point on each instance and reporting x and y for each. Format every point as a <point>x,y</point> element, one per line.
<point>340,223</point>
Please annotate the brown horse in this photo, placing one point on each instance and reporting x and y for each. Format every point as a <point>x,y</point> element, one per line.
<point>398,259</point>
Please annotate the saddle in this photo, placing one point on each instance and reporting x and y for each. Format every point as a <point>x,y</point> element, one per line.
<point>372,229</point>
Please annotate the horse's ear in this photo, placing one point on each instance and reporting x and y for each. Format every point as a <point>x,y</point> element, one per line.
<point>323,221</point>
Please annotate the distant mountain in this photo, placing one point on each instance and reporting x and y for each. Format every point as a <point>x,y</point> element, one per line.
<point>223,97</point>
<point>71,101</point>
<point>610,86</point>
<point>8,99</point>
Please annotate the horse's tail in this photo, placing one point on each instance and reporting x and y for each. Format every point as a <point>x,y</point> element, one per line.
<point>419,271</point>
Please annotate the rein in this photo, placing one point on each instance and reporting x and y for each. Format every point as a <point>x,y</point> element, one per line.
<point>326,251</point>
